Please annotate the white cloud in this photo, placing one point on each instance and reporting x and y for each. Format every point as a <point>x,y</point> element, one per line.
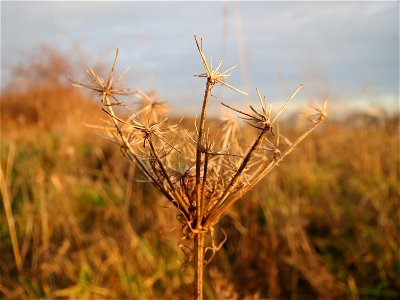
<point>344,44</point>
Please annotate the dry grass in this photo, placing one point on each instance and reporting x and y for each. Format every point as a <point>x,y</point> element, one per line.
<point>322,224</point>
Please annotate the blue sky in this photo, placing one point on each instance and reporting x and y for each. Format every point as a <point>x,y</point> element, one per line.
<point>347,51</point>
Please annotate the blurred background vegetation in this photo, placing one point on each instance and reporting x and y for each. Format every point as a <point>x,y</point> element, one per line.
<point>325,224</point>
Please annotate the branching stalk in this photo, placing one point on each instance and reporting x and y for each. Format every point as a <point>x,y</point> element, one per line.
<point>202,196</point>
<point>199,204</point>
<point>199,235</point>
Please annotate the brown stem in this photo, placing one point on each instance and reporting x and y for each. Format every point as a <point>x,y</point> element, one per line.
<point>199,204</point>
<point>199,265</point>
<point>203,185</point>
<point>199,236</point>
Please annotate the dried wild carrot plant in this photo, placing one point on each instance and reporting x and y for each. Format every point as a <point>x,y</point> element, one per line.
<point>201,174</point>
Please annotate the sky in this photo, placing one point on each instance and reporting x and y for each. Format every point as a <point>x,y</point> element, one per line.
<point>345,51</point>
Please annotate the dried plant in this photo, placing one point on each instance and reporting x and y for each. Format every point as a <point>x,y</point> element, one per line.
<point>201,174</point>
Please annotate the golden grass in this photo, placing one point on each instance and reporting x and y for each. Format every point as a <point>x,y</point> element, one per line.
<point>323,224</point>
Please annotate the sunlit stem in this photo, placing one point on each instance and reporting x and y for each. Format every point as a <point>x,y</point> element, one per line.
<point>199,236</point>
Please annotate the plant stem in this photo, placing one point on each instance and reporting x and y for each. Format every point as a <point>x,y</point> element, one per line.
<point>199,235</point>
<point>199,265</point>
<point>10,220</point>
<point>199,206</point>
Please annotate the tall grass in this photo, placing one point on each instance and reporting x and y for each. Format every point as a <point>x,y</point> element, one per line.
<point>322,225</point>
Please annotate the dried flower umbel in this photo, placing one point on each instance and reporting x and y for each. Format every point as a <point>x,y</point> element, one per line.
<point>201,174</point>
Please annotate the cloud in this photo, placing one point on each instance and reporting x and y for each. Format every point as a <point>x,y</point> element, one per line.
<point>342,45</point>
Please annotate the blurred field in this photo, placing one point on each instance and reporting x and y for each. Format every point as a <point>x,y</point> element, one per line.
<point>325,224</point>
